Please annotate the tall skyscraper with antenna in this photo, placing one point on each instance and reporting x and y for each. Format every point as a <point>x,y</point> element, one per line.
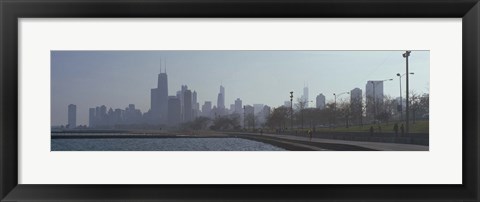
<point>221,101</point>
<point>305,96</point>
<point>159,98</point>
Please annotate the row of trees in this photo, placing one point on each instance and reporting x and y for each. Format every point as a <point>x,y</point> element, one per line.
<point>228,122</point>
<point>343,113</point>
<point>347,113</point>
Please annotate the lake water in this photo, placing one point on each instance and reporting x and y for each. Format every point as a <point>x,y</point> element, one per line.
<point>160,144</point>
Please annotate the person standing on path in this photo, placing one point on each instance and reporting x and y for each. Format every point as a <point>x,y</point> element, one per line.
<point>395,128</point>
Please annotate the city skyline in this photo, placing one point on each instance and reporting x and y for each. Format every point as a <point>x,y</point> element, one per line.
<point>253,85</point>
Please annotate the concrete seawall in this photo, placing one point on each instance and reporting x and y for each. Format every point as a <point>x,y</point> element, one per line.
<point>291,145</point>
<point>414,138</point>
<point>299,142</point>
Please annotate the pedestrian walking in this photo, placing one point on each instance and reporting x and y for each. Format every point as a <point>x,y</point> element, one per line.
<point>310,134</point>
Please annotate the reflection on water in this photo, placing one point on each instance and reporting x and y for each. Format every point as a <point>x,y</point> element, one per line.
<point>160,144</point>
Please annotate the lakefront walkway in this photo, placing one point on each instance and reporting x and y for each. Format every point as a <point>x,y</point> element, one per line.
<point>323,144</point>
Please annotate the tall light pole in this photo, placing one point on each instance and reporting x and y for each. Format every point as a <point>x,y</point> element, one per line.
<point>291,110</point>
<point>244,117</point>
<point>335,106</point>
<point>406,55</point>
<point>375,98</point>
<point>401,100</point>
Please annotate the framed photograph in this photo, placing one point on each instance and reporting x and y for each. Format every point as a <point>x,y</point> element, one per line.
<point>257,100</point>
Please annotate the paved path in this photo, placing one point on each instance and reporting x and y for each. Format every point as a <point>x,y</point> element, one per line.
<point>343,145</point>
<point>371,145</point>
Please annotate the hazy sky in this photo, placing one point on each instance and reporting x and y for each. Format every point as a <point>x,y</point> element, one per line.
<point>118,78</point>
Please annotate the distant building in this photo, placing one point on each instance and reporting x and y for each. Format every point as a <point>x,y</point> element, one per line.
<point>305,96</point>
<point>132,115</point>
<point>180,95</point>
<point>195,105</point>
<point>320,101</point>
<point>118,116</point>
<point>159,100</point>
<point>263,114</point>
<point>258,107</point>
<point>214,112</point>
<point>207,109</point>
<point>221,102</point>
<point>91,117</point>
<point>249,118</point>
<point>72,116</point>
<point>187,106</point>
<point>221,98</point>
<point>356,96</point>
<point>401,104</point>
<point>103,115</point>
<point>374,97</point>
<point>174,111</point>
<point>238,106</point>
<point>356,105</point>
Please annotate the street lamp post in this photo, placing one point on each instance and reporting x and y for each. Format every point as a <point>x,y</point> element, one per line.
<point>401,100</point>
<point>291,110</point>
<point>335,106</point>
<point>406,55</point>
<point>244,118</point>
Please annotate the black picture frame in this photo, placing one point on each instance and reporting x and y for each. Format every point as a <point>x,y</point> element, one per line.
<point>12,10</point>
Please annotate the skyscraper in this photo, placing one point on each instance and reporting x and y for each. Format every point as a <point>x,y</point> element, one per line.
<point>249,118</point>
<point>263,114</point>
<point>356,96</point>
<point>195,104</point>
<point>91,117</point>
<point>187,106</point>
<point>221,98</point>
<point>320,101</point>
<point>159,99</point>
<point>305,96</point>
<point>258,107</point>
<point>238,106</point>
<point>207,109</point>
<point>72,116</point>
<point>221,101</point>
<point>180,95</point>
<point>356,106</point>
<point>374,97</point>
<point>103,115</point>
<point>174,115</point>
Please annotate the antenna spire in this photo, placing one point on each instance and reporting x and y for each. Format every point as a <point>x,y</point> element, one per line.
<point>165,61</point>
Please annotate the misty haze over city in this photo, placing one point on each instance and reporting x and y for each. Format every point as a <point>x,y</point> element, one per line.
<point>116,79</point>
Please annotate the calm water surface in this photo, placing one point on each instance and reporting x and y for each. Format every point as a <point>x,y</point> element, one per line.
<point>160,144</point>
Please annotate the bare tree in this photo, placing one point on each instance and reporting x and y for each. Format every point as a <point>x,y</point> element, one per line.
<point>278,118</point>
<point>343,109</point>
<point>300,106</point>
<point>356,110</point>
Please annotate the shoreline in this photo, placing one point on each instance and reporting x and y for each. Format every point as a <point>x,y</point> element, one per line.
<point>290,145</point>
